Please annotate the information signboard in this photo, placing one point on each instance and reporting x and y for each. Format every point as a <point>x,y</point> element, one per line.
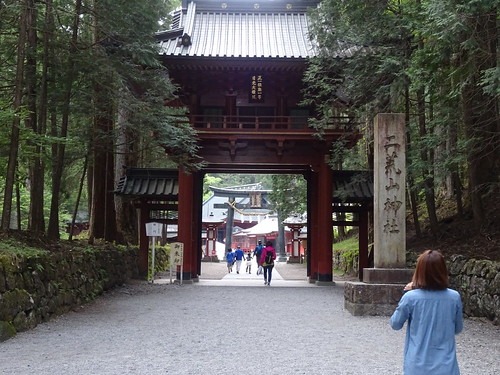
<point>176,257</point>
<point>154,229</point>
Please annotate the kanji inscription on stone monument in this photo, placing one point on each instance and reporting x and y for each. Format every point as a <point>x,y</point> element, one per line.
<point>389,202</point>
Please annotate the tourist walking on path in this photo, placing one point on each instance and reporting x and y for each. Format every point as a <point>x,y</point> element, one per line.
<point>434,315</point>
<point>249,262</point>
<point>267,260</point>
<point>238,255</point>
<point>230,260</point>
<point>258,252</point>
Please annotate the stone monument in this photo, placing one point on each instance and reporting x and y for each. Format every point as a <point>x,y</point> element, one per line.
<point>382,285</point>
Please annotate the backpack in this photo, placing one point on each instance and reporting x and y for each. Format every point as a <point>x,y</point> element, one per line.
<point>269,257</point>
<point>258,250</point>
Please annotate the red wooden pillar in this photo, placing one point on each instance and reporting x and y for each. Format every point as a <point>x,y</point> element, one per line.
<point>363,241</point>
<point>185,223</point>
<point>197,225</point>
<point>325,225</point>
<point>313,236</point>
<point>143,256</point>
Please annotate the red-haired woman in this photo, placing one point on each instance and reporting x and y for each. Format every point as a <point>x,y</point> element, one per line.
<point>434,315</point>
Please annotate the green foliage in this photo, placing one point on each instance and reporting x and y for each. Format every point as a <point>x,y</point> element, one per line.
<point>162,259</point>
<point>362,47</point>
<point>120,59</point>
<point>289,195</point>
<point>345,254</point>
<point>15,247</point>
<point>434,60</point>
<point>491,81</point>
<point>288,192</point>
<point>210,180</point>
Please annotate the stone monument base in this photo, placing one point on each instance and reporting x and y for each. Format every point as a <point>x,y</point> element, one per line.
<point>294,259</point>
<point>387,275</point>
<point>207,258</point>
<point>379,293</point>
<point>371,299</point>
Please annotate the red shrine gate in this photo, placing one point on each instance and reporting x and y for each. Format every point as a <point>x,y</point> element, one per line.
<point>239,66</point>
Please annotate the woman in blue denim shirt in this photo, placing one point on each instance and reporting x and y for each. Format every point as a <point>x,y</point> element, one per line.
<point>434,315</point>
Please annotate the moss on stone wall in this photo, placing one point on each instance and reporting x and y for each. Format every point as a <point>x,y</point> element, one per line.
<point>478,282</point>
<point>38,285</point>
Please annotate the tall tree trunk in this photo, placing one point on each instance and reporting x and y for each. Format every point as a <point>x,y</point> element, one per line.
<point>126,156</point>
<point>18,206</point>
<point>59,150</point>
<point>481,116</point>
<point>280,241</point>
<point>428,171</point>
<point>77,204</point>
<point>36,169</point>
<point>16,122</point>
<point>456,183</point>
<point>103,215</point>
<point>409,175</point>
<point>341,228</point>
<point>44,80</point>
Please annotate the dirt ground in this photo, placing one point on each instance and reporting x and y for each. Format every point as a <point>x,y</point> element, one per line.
<point>458,235</point>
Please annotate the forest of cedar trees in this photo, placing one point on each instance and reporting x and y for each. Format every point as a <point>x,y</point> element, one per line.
<point>82,95</point>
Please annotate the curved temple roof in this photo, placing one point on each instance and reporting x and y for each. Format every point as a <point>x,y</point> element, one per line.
<point>236,28</point>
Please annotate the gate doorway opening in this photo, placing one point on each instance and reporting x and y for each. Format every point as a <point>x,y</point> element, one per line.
<point>318,245</point>
<point>239,210</point>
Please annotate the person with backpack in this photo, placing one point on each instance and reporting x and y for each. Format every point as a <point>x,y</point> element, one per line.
<point>258,252</point>
<point>267,261</point>
<point>230,260</point>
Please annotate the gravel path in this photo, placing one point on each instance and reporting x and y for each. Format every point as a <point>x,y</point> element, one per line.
<point>200,328</point>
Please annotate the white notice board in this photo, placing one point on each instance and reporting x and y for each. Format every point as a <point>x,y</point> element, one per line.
<point>154,229</point>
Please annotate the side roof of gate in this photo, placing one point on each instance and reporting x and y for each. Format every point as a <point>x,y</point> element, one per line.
<point>149,182</point>
<point>352,187</point>
<point>348,186</point>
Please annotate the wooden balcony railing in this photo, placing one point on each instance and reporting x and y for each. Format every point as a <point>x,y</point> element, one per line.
<point>267,123</point>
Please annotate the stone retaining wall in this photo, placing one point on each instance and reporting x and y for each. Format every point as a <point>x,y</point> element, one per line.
<point>37,287</point>
<point>478,282</point>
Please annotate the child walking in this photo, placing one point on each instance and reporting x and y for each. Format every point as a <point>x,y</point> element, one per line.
<point>249,262</point>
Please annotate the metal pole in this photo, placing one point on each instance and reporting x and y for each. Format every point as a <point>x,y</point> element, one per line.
<point>153,261</point>
<point>170,266</point>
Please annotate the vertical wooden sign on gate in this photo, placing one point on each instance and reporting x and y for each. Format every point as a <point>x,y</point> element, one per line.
<point>176,257</point>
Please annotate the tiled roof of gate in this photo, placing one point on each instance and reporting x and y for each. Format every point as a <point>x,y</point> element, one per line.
<point>231,28</point>
<point>149,182</point>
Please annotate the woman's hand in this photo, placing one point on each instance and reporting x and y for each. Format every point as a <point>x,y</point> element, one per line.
<point>408,286</point>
